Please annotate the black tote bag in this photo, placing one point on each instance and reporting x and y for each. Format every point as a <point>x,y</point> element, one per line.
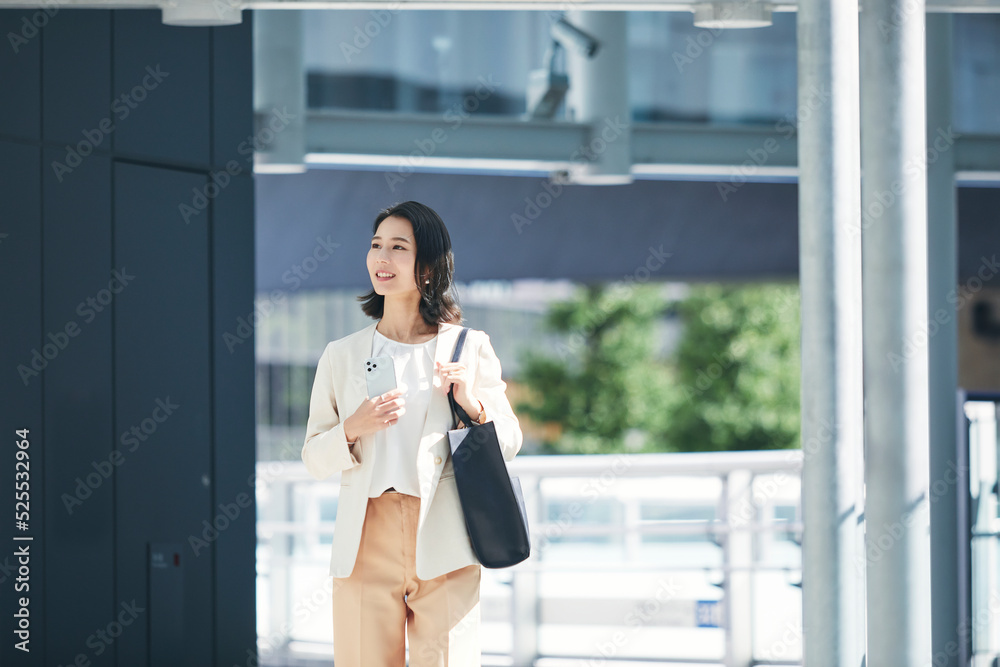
<point>491,499</point>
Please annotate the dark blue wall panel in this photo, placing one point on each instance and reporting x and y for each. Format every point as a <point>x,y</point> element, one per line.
<point>141,419</point>
<point>80,469</point>
<point>20,73</point>
<point>232,246</point>
<point>20,385</point>
<point>978,232</point>
<point>162,358</point>
<point>162,79</point>
<point>232,85</point>
<point>76,80</point>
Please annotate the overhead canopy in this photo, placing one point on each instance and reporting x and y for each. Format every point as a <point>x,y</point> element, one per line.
<point>511,227</point>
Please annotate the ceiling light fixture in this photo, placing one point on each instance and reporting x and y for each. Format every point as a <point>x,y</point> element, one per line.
<point>742,14</point>
<point>195,13</point>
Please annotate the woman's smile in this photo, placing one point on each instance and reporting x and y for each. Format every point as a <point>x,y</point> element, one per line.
<point>382,276</point>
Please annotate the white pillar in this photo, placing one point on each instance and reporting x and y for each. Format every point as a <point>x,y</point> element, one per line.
<point>830,287</point>
<point>894,270</point>
<point>279,90</point>
<point>737,555</point>
<point>598,95</point>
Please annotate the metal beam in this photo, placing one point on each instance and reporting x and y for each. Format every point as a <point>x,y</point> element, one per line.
<point>952,6</point>
<point>722,151</point>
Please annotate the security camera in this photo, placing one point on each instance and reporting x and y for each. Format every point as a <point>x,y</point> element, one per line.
<point>568,35</point>
<point>547,87</point>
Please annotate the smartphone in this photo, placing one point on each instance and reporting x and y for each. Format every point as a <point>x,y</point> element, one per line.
<point>380,374</point>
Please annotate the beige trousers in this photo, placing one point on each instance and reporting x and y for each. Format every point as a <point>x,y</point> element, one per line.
<point>383,603</point>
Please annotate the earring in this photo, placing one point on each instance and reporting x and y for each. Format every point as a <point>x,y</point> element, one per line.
<point>427,282</point>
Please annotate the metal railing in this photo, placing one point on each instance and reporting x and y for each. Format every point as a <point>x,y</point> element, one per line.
<point>689,557</point>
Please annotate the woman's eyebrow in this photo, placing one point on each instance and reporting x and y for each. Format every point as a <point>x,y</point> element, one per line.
<point>394,238</point>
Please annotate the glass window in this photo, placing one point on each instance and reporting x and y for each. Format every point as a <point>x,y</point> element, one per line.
<point>422,61</point>
<point>680,72</point>
<point>437,61</point>
<point>976,94</point>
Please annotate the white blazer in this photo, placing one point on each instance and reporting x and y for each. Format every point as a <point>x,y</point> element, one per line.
<point>340,387</point>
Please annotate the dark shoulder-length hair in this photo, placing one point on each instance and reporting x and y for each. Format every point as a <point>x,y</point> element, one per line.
<point>435,262</point>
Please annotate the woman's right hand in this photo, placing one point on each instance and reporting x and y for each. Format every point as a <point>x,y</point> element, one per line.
<point>375,414</point>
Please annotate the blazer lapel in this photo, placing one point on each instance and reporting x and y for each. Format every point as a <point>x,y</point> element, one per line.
<point>439,410</point>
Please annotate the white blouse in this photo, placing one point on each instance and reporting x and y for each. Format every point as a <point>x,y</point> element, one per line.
<point>395,464</point>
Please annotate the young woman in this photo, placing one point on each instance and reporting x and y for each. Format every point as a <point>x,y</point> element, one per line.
<point>402,562</point>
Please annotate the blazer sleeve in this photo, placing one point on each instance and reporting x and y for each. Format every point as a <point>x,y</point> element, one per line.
<point>489,388</point>
<point>325,450</point>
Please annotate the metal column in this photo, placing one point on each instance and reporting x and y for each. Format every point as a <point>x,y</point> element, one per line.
<point>598,95</point>
<point>830,288</point>
<point>737,554</point>
<point>279,90</point>
<point>950,648</point>
<point>894,265</point>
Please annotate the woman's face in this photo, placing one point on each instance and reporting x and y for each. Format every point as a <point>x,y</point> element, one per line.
<point>394,252</point>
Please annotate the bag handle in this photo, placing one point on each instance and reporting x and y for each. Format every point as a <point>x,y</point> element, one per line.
<point>455,407</point>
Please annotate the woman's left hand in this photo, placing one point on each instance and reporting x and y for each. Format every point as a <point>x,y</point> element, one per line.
<point>457,374</point>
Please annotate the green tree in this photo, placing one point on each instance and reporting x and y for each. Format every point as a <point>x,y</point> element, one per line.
<point>735,380</point>
<point>731,384</point>
<point>604,381</point>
